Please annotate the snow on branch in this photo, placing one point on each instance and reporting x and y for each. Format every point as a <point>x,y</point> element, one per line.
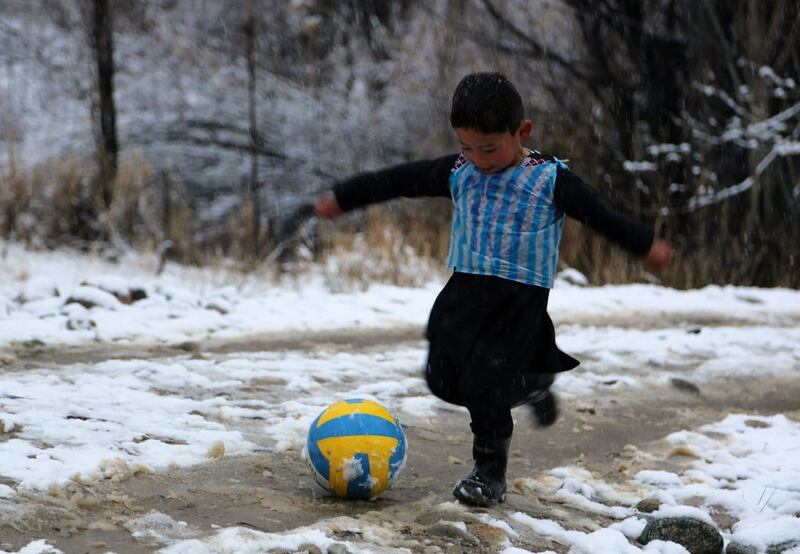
<point>785,148</point>
<point>788,148</point>
<point>766,72</point>
<point>711,91</point>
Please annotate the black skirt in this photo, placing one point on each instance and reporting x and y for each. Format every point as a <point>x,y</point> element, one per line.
<point>491,340</point>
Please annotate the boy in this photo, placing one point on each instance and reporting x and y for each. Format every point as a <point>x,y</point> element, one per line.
<point>491,342</point>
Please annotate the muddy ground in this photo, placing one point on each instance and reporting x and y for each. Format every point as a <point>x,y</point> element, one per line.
<point>272,491</point>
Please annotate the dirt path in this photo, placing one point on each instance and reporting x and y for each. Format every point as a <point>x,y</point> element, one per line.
<point>271,491</point>
<point>20,356</point>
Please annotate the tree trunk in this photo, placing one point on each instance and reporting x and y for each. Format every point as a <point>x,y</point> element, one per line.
<point>251,194</point>
<point>107,141</point>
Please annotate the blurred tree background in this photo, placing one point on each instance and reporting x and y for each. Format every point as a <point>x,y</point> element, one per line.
<point>204,128</point>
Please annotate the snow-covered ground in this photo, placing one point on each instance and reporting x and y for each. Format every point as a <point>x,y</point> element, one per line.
<point>42,299</point>
<point>97,419</point>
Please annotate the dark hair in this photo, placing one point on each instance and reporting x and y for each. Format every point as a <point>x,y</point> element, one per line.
<point>487,102</point>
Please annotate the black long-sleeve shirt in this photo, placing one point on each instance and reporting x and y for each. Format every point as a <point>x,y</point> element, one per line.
<point>431,178</point>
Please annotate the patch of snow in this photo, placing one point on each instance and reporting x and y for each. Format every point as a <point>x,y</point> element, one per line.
<point>577,487</point>
<point>659,478</point>
<point>631,527</point>
<point>498,523</point>
<point>244,541</point>
<point>683,511</point>
<point>106,419</point>
<point>638,167</point>
<point>36,547</point>
<point>766,530</point>
<point>664,547</point>
<point>157,527</point>
<point>351,469</point>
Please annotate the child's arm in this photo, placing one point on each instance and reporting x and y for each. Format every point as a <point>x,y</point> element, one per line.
<point>580,201</point>
<point>413,179</point>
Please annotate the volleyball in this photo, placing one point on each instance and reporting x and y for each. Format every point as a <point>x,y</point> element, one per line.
<point>355,449</point>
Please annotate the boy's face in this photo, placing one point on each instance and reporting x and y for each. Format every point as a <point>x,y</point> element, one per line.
<point>495,151</point>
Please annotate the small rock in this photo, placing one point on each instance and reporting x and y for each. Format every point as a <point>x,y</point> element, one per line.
<point>90,297</point>
<point>219,305</point>
<point>736,548</point>
<point>80,324</point>
<point>302,549</point>
<point>437,514</point>
<point>756,424</point>
<point>450,531</point>
<point>684,385</point>
<point>698,537</point>
<point>138,294</point>
<point>117,286</point>
<point>338,548</point>
<point>189,346</point>
<point>779,548</point>
<point>7,359</point>
<point>694,330</point>
<point>782,547</point>
<point>648,505</point>
<point>33,345</point>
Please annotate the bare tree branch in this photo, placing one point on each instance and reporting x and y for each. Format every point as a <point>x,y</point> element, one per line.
<point>536,50</point>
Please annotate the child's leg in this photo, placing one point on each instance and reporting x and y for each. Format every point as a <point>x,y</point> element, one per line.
<point>542,402</point>
<point>492,427</point>
<point>490,420</point>
<point>545,408</point>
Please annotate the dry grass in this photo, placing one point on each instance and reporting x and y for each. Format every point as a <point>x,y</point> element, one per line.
<point>393,244</point>
<point>51,205</point>
<point>402,243</point>
<point>44,203</point>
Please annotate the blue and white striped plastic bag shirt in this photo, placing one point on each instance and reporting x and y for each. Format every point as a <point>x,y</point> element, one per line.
<point>506,224</point>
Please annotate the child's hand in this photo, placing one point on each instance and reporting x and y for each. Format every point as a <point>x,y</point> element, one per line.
<point>659,257</point>
<point>326,206</point>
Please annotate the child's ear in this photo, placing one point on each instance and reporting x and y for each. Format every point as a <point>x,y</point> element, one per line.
<point>525,129</point>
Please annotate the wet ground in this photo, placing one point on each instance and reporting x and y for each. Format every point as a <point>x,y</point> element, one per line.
<point>272,491</point>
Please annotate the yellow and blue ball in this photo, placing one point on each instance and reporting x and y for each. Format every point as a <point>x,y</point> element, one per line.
<point>356,449</point>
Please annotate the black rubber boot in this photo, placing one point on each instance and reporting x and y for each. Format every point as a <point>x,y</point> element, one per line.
<point>544,407</point>
<point>486,484</point>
